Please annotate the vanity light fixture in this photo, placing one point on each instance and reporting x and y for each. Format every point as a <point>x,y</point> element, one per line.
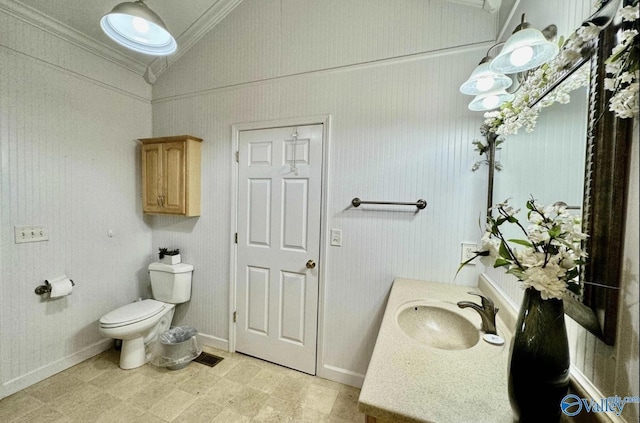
<point>490,100</point>
<point>527,48</point>
<point>483,79</point>
<point>137,27</point>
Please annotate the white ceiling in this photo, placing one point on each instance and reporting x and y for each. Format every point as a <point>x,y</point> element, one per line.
<point>187,20</point>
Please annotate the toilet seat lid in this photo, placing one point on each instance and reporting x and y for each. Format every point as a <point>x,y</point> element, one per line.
<point>132,313</point>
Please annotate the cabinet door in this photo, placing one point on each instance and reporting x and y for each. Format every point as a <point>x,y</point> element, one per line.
<point>152,178</point>
<point>174,177</point>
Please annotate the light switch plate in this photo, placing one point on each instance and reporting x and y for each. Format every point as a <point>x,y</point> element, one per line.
<point>336,237</point>
<point>25,234</point>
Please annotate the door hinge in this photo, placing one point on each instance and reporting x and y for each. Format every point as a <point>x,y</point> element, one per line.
<point>235,316</point>
<point>237,156</point>
<point>236,237</point>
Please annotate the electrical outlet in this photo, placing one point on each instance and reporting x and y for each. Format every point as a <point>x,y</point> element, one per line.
<point>468,252</point>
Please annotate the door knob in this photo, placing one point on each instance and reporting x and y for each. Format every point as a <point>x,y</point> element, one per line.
<point>311,264</point>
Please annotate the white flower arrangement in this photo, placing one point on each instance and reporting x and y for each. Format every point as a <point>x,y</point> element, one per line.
<point>548,257</point>
<point>622,66</point>
<point>517,114</point>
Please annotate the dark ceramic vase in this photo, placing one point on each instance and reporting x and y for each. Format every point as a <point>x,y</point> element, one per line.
<point>539,364</point>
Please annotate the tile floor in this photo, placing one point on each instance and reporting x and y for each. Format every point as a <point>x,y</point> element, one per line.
<point>239,389</point>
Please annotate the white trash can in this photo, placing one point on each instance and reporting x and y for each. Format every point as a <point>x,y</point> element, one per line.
<point>176,348</point>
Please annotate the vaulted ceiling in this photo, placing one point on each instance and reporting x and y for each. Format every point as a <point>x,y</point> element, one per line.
<point>79,21</point>
<point>188,20</point>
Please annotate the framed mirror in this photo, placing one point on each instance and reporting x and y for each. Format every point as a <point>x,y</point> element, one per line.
<point>605,199</point>
<point>588,149</point>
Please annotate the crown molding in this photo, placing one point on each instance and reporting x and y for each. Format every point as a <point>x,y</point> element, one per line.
<point>186,40</point>
<point>194,33</point>
<point>60,30</point>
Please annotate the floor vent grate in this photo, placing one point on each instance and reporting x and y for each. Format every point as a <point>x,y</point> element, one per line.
<point>208,359</point>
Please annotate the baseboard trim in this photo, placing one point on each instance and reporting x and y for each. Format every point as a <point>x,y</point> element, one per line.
<point>214,341</point>
<point>14,385</point>
<point>340,375</point>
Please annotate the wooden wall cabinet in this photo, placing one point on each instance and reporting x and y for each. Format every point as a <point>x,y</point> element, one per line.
<point>171,175</point>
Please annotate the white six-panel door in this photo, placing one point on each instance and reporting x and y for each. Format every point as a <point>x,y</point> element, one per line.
<point>279,193</point>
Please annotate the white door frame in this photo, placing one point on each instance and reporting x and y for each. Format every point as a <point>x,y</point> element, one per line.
<point>325,120</point>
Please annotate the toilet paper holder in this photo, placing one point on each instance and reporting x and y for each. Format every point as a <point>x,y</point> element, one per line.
<point>43,289</point>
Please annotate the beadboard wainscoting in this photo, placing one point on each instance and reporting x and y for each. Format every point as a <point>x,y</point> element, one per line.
<point>399,131</point>
<point>68,124</point>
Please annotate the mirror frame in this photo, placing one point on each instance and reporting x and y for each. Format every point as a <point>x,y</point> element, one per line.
<point>605,200</point>
<point>607,164</point>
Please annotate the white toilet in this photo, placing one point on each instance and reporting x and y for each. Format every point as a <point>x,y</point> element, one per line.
<point>139,323</point>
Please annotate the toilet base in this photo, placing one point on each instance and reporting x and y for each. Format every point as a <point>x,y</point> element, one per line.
<point>137,338</point>
<point>133,354</point>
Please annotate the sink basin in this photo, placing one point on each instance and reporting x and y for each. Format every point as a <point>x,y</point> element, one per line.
<point>438,325</point>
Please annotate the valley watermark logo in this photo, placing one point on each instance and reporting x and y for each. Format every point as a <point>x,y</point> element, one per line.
<point>572,405</point>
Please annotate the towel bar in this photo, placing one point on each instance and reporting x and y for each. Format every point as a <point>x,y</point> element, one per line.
<point>420,204</point>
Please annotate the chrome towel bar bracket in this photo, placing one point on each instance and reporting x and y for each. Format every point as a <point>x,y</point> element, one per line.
<point>420,204</point>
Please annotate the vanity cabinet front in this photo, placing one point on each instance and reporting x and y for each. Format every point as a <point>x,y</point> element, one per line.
<point>171,175</point>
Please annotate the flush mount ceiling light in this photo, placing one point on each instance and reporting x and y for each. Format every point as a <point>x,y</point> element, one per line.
<point>135,26</point>
<point>526,49</point>
<point>483,79</point>
<point>490,100</point>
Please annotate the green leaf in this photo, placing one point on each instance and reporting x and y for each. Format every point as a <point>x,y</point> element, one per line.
<point>460,268</point>
<point>477,254</point>
<point>517,272</point>
<point>572,273</point>
<point>504,251</point>
<point>521,242</point>
<point>574,287</point>
<point>512,219</point>
<point>501,262</point>
<point>555,231</point>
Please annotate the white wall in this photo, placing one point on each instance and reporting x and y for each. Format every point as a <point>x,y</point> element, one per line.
<point>68,124</point>
<point>400,130</point>
<point>606,370</point>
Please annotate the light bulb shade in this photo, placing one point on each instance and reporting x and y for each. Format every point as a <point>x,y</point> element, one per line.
<point>524,50</point>
<point>135,26</point>
<point>482,80</point>
<point>490,100</point>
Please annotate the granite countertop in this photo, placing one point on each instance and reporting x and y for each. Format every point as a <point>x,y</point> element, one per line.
<point>410,382</point>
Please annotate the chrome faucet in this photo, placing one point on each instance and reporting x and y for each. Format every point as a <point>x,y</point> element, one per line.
<point>487,312</point>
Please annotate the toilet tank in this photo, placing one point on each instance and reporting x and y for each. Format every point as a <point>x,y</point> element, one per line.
<point>171,283</point>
